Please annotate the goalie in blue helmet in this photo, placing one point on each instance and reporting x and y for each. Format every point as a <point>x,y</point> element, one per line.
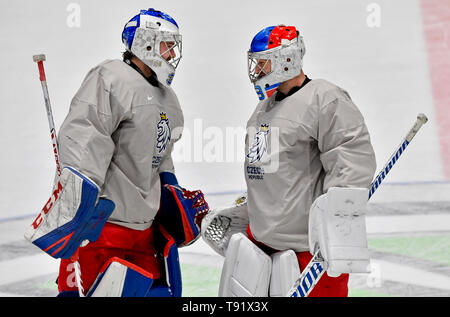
<point>118,208</point>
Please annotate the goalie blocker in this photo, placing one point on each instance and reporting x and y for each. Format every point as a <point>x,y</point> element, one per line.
<point>337,238</point>
<point>74,213</point>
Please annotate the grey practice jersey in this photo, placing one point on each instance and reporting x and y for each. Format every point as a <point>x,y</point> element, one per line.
<point>119,132</point>
<point>296,149</point>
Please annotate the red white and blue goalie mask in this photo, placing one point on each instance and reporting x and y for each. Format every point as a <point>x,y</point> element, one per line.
<point>143,35</point>
<point>275,55</point>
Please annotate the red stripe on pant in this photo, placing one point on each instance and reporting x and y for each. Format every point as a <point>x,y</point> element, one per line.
<point>326,287</point>
<point>134,246</point>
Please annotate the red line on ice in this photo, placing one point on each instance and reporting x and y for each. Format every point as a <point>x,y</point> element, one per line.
<point>436,27</point>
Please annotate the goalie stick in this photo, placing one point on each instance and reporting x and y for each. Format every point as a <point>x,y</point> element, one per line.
<point>315,268</point>
<point>39,59</point>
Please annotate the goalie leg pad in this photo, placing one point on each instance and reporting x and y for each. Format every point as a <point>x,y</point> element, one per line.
<point>337,225</point>
<point>246,270</point>
<point>285,272</point>
<point>135,246</point>
<point>72,214</point>
<point>120,278</point>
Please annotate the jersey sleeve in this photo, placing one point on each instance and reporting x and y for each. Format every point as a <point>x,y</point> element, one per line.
<point>85,141</point>
<point>344,142</point>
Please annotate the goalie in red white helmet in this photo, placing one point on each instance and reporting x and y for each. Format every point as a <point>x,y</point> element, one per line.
<point>275,56</point>
<point>308,166</point>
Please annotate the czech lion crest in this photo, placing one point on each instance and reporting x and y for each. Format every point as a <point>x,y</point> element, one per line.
<point>259,145</point>
<point>163,137</point>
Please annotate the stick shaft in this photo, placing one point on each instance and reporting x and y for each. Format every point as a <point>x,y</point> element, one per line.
<point>420,121</point>
<point>309,277</point>
<point>48,108</point>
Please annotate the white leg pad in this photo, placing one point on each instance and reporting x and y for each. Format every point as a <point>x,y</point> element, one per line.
<point>285,272</point>
<point>246,270</point>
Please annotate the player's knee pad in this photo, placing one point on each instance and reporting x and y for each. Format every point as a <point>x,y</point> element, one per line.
<point>246,270</point>
<point>74,213</point>
<point>120,278</point>
<point>285,272</point>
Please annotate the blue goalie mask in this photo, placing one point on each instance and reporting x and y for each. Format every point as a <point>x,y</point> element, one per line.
<point>154,38</point>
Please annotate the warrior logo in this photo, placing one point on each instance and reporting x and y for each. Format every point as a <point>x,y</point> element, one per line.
<point>163,137</point>
<point>259,146</point>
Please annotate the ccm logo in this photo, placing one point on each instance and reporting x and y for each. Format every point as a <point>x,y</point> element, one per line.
<point>37,222</point>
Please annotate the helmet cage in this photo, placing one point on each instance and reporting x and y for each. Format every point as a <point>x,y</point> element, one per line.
<point>173,47</point>
<point>146,46</point>
<point>255,69</point>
